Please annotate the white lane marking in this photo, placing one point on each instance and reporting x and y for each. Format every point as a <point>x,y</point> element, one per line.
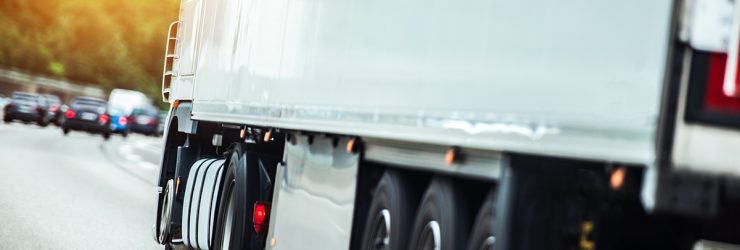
<point>148,145</point>
<point>127,151</point>
<point>148,165</point>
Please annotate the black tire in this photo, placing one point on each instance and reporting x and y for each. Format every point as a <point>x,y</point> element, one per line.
<point>163,228</point>
<point>442,210</point>
<point>482,235</point>
<point>65,131</point>
<point>106,136</point>
<point>392,201</point>
<point>125,134</point>
<point>234,230</point>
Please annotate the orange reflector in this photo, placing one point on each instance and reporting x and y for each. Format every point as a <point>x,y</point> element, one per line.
<point>242,133</point>
<point>351,145</point>
<point>176,103</point>
<point>617,178</point>
<point>452,156</point>
<point>259,216</point>
<point>268,135</point>
<point>177,185</point>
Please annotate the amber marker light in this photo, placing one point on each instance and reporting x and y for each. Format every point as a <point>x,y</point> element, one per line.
<point>352,145</point>
<point>268,136</point>
<point>452,156</point>
<point>177,185</point>
<point>617,178</point>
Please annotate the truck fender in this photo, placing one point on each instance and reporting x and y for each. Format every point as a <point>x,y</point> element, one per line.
<point>182,113</point>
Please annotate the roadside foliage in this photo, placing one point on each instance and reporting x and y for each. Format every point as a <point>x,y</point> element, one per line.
<point>114,43</point>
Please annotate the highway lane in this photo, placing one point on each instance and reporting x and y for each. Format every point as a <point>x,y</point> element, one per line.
<point>76,191</point>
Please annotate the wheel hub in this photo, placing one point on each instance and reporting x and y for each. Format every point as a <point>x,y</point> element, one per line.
<point>430,236</point>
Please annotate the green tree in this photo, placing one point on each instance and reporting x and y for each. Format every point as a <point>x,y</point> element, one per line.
<point>112,43</point>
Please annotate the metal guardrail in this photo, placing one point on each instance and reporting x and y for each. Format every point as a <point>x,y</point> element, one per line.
<point>20,78</point>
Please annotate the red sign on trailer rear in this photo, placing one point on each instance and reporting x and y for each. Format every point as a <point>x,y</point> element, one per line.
<point>717,97</point>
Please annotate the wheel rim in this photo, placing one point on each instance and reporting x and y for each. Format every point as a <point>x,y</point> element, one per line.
<point>381,230</point>
<point>166,212</point>
<point>229,220</point>
<point>430,236</point>
<point>487,244</point>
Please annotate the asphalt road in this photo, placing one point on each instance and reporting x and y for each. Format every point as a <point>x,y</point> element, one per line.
<point>76,191</point>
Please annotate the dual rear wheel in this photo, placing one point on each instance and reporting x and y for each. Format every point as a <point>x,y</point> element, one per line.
<point>240,190</point>
<point>439,223</point>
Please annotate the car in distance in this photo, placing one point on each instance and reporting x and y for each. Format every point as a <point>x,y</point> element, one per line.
<point>87,114</point>
<point>144,121</point>
<point>26,107</point>
<point>119,123</point>
<point>128,100</point>
<point>55,108</point>
<point>162,122</point>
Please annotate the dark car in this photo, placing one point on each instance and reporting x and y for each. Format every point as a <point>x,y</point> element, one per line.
<point>87,114</point>
<point>26,107</point>
<point>55,109</point>
<point>144,121</point>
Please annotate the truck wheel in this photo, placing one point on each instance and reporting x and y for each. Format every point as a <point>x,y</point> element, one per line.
<point>390,214</point>
<point>481,235</point>
<point>234,228</point>
<point>440,220</point>
<point>65,131</point>
<point>106,136</point>
<point>166,213</point>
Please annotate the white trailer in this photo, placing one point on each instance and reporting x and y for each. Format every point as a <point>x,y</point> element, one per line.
<point>451,125</point>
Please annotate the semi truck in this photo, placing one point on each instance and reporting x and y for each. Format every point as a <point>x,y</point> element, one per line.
<point>473,124</point>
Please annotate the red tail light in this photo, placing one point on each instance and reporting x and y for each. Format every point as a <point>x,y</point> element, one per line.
<point>122,120</point>
<point>259,217</point>
<point>104,118</point>
<point>70,114</point>
<point>716,97</point>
